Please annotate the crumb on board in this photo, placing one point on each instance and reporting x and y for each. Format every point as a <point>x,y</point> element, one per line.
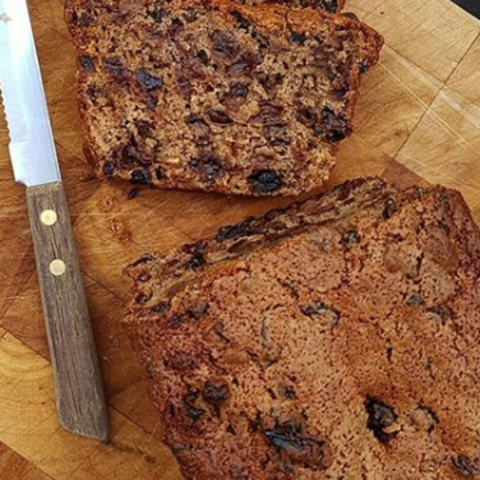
<point>133,193</point>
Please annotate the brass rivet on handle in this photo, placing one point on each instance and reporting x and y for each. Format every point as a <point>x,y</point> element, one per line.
<point>48,218</point>
<point>58,267</point>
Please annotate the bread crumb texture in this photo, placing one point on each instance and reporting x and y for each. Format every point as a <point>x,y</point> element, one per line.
<point>216,95</point>
<point>336,339</point>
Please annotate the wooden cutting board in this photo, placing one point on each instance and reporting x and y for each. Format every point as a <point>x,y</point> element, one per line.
<point>418,120</point>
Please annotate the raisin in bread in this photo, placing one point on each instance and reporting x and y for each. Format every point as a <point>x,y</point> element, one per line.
<point>217,96</point>
<point>335,339</point>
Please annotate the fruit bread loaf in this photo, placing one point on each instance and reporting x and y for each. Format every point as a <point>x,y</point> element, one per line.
<point>216,95</point>
<point>335,339</point>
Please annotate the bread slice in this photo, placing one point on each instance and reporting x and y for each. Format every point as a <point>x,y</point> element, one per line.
<point>335,339</point>
<point>217,96</point>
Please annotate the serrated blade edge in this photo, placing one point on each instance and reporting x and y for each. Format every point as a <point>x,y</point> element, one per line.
<point>32,148</point>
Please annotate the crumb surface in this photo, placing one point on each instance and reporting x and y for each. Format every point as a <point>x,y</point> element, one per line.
<point>216,95</point>
<point>336,339</point>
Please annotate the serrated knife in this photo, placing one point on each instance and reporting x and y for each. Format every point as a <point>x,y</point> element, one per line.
<point>79,391</point>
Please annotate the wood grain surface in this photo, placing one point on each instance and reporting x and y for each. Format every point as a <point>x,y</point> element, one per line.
<point>418,120</point>
<point>80,398</point>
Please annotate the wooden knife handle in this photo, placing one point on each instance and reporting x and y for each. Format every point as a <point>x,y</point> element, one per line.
<point>80,397</point>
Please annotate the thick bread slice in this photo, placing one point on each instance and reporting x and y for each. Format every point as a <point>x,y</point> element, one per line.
<point>217,96</point>
<point>340,340</point>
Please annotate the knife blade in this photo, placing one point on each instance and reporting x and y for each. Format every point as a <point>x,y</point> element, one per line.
<point>24,99</point>
<point>80,397</point>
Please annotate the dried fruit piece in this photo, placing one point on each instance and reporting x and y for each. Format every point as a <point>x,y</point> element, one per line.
<point>157,14</point>
<point>466,466</point>
<point>219,117</point>
<point>265,181</point>
<point>415,301</point>
<point>87,63</point>
<point>352,237</point>
<point>225,44</point>
<point>193,411</point>
<point>299,449</point>
<point>108,168</point>
<point>320,309</point>
<point>148,81</point>
<point>208,166</point>
<point>196,261</point>
<point>115,67</point>
<point>141,177</point>
<point>380,417</point>
<point>215,393</point>
<point>442,313</point>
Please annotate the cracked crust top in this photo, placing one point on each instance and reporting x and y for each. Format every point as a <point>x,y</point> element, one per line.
<point>340,345</point>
